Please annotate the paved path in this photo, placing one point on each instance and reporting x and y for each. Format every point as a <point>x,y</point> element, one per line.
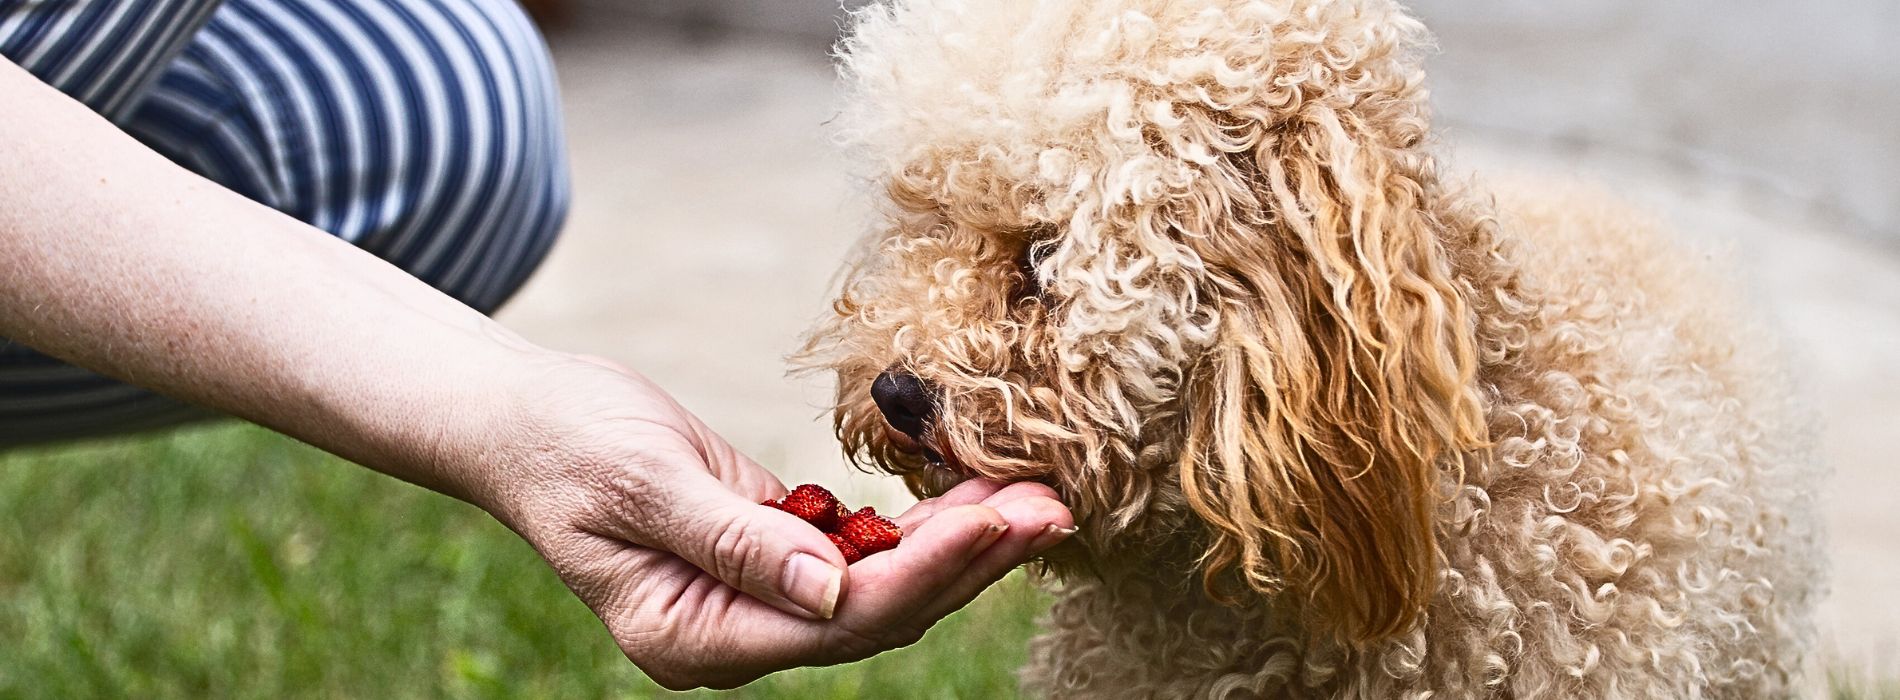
<point>712,214</point>
<point>1801,100</point>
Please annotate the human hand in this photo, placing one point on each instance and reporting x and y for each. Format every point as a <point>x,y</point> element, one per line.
<point>191,290</point>
<point>654,521</point>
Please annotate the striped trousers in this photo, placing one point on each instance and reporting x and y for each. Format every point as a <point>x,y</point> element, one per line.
<point>426,132</point>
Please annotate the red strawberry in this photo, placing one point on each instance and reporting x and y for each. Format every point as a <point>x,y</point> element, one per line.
<point>838,513</point>
<point>815,505</point>
<point>850,552</point>
<point>869,532</point>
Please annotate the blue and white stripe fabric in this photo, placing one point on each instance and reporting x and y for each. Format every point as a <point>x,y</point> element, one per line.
<point>425,131</point>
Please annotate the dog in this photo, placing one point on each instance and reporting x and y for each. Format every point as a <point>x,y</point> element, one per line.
<point>1333,423</point>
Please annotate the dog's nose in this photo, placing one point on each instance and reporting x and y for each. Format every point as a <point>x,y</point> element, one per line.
<point>906,401</point>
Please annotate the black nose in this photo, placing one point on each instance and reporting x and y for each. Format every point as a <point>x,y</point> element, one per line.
<point>907,402</point>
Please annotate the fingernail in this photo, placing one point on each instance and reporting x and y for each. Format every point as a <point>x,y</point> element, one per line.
<point>988,537</point>
<point>813,584</point>
<point>1050,537</point>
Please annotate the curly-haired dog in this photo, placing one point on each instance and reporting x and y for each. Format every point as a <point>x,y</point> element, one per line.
<point>1332,424</point>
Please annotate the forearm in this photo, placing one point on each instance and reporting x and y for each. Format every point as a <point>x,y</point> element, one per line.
<point>116,260</point>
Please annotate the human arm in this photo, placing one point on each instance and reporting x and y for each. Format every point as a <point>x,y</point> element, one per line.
<point>115,259</point>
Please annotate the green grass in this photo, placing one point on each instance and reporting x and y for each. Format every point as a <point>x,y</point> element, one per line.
<point>1860,685</point>
<point>227,561</point>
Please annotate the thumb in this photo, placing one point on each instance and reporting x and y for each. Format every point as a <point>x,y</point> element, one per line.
<point>768,554</point>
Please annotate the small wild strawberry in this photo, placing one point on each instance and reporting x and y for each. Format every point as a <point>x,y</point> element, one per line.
<point>814,504</point>
<point>856,535</point>
<point>869,532</point>
<point>850,551</point>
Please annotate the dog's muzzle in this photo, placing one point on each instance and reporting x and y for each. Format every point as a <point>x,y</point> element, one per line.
<point>908,404</point>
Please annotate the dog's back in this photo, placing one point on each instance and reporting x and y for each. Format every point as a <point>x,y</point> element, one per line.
<point>1643,526</point>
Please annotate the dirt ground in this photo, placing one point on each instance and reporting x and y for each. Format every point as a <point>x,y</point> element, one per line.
<point>711,215</point>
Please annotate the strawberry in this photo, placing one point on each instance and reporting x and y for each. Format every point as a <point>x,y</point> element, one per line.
<point>869,532</point>
<point>814,505</point>
<point>850,552</point>
<point>856,535</point>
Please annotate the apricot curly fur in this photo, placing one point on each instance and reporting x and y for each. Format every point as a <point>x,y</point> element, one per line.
<point>1332,422</point>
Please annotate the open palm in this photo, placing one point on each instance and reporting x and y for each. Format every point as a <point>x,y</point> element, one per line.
<point>654,521</point>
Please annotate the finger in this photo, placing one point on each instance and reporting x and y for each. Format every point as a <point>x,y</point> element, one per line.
<point>890,586</point>
<point>739,472</point>
<point>686,629</point>
<point>966,493</point>
<point>1019,490</point>
<point>985,491</point>
<point>767,487</point>
<point>731,466</point>
<point>723,638</point>
<point>719,637</point>
<point>1036,523</point>
<point>762,551</point>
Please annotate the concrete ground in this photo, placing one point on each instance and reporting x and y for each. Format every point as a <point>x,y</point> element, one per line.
<point>711,214</point>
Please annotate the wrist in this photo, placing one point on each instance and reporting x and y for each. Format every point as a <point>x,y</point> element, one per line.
<point>508,448</point>
<point>451,417</point>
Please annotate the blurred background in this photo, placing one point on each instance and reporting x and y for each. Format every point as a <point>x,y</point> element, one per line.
<point>711,213</point>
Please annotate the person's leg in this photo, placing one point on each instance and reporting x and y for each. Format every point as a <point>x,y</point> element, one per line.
<point>426,131</point>
<point>101,52</point>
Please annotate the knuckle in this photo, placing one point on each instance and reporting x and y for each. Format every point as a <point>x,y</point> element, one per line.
<point>736,551</point>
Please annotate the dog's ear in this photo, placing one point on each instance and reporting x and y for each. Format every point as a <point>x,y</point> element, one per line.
<point>1342,386</point>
